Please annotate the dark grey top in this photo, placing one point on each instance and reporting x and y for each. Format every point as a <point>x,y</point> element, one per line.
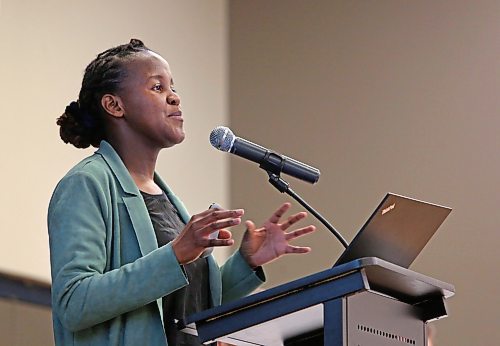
<point>192,298</point>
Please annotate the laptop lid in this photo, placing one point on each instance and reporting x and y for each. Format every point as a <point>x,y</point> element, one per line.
<point>397,231</point>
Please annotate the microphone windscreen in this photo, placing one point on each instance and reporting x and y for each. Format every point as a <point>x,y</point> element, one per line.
<point>222,138</point>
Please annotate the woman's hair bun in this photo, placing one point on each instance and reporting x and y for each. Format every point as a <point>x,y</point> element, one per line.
<point>73,108</point>
<point>78,127</point>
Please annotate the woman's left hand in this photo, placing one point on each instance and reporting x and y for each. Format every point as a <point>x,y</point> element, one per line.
<point>263,245</point>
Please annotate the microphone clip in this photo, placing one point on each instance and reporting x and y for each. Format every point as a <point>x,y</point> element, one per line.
<point>280,184</point>
<point>273,163</point>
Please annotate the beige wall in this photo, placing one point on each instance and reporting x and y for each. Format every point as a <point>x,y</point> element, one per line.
<point>44,48</point>
<point>397,96</point>
<point>24,324</point>
<point>380,95</point>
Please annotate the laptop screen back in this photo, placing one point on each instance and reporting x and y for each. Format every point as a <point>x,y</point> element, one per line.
<point>397,231</point>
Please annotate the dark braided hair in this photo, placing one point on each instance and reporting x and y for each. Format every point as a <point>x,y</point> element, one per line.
<point>82,121</point>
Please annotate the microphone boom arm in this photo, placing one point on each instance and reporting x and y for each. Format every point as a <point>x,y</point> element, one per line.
<point>283,187</point>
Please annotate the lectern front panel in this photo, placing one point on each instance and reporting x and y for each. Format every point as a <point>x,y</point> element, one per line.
<point>378,320</point>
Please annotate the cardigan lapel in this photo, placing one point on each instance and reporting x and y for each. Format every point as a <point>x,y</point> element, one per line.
<point>134,203</point>
<point>116,164</point>
<point>132,199</point>
<point>141,222</point>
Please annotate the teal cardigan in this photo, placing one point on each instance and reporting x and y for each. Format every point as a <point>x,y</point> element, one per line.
<point>108,274</point>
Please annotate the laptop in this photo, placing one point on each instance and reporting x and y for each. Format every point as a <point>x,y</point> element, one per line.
<point>397,231</point>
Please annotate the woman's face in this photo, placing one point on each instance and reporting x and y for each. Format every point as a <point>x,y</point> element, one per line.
<point>151,107</point>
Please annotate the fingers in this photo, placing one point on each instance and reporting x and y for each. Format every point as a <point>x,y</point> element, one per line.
<point>212,220</point>
<point>224,234</point>
<point>250,225</point>
<point>299,232</point>
<point>215,226</point>
<point>219,242</point>
<point>251,228</point>
<point>297,249</point>
<point>212,215</point>
<point>275,218</point>
<point>195,237</point>
<point>293,219</point>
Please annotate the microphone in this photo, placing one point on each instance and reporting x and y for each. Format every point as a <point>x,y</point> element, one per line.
<point>223,138</point>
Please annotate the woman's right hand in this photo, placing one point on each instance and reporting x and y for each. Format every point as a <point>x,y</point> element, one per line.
<point>194,238</point>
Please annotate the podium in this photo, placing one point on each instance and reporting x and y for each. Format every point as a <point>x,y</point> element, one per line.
<point>366,302</point>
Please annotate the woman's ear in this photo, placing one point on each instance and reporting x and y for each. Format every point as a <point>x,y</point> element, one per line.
<point>112,104</point>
